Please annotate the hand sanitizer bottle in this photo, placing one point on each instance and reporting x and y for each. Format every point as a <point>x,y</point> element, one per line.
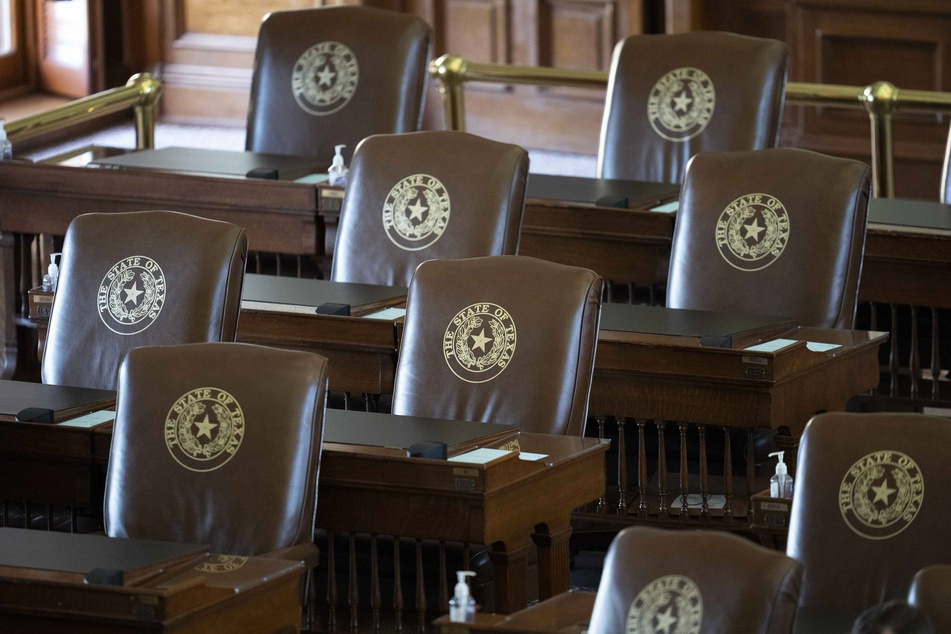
<point>338,170</point>
<point>52,273</point>
<point>6,148</point>
<point>780,485</point>
<point>462,605</point>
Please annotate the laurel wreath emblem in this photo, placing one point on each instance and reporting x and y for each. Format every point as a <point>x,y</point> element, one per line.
<point>401,220</point>
<point>117,307</point>
<point>738,244</point>
<point>227,435</point>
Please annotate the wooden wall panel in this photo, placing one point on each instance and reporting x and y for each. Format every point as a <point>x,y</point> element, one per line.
<point>476,29</point>
<point>233,17</point>
<point>849,42</point>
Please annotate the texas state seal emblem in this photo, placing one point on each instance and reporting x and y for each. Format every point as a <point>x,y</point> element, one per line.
<point>325,77</point>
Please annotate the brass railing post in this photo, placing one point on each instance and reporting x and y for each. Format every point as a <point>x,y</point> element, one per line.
<point>880,100</point>
<point>149,89</point>
<point>451,72</point>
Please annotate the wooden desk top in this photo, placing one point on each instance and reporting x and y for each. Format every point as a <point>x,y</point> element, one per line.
<point>181,588</point>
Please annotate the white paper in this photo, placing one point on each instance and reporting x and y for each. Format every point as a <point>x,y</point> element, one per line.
<point>388,313</point>
<point>480,456</point>
<point>672,206</point>
<point>524,455</point>
<point>771,346</point>
<point>816,346</point>
<point>312,179</point>
<point>90,420</point>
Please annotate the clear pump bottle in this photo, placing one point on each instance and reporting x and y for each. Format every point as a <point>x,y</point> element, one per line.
<point>781,484</point>
<point>462,605</point>
<point>338,169</point>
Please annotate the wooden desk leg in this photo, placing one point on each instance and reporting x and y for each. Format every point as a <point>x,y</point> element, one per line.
<point>553,561</point>
<point>8,328</point>
<point>510,562</point>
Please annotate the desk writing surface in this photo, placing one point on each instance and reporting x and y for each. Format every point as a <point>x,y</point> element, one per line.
<point>269,292</point>
<point>69,552</point>
<point>64,401</point>
<point>590,190</point>
<point>221,163</point>
<point>711,328</point>
<point>401,432</point>
<point>909,214</point>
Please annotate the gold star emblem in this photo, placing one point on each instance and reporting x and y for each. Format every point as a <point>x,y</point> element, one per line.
<point>132,294</point>
<point>326,76</point>
<point>666,619</point>
<point>480,340</point>
<point>416,211</point>
<point>882,492</point>
<point>204,427</point>
<point>683,102</point>
<point>753,229</point>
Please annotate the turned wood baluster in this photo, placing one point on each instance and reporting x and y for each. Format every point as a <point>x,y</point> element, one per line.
<point>26,272</point>
<point>893,361</point>
<point>600,420</point>
<point>750,474</point>
<point>443,586</point>
<point>914,354</point>
<point>621,467</point>
<point>300,266</point>
<point>727,476</point>
<point>420,589</point>
<point>370,402</point>
<point>873,313</point>
<point>277,264</point>
<point>397,586</point>
<point>661,470</point>
<point>354,586</point>
<point>331,584</point>
<point>641,469</point>
<point>935,352</point>
<point>257,262</point>
<point>684,478</point>
<point>376,600</point>
<point>704,484</point>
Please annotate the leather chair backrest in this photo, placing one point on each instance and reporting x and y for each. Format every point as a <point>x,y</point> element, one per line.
<point>427,195</point>
<point>335,75</point>
<point>672,96</point>
<point>870,507</point>
<point>930,591</point>
<point>217,444</point>
<point>773,232</point>
<point>694,581</point>
<point>137,279</point>
<point>502,339</point>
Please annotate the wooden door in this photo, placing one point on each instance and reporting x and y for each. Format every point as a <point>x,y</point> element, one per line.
<point>69,50</point>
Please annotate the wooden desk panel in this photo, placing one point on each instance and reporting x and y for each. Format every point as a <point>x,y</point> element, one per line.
<point>260,595</point>
<point>41,198</point>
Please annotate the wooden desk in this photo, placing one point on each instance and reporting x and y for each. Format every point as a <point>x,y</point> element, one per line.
<point>501,504</point>
<point>367,489</point>
<point>181,592</point>
<point>282,312</point>
<point>40,198</point>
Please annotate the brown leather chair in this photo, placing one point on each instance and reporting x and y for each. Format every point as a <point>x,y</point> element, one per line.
<point>505,339</point>
<point>696,581</point>
<point>672,96</point>
<point>930,591</point>
<point>870,507</point>
<point>335,75</point>
<point>218,444</point>
<point>772,232</point>
<point>137,279</point>
<point>417,197</point>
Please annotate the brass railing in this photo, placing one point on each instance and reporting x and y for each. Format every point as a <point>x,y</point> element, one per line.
<point>881,100</point>
<point>140,93</point>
